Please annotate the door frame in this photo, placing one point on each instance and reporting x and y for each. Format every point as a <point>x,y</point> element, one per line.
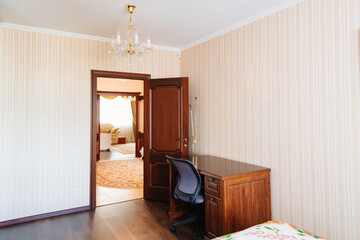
<point>94,116</point>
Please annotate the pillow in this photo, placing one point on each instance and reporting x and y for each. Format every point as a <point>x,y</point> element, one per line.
<point>114,130</point>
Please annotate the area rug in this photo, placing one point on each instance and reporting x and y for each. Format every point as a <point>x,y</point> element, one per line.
<point>126,173</point>
<point>128,148</point>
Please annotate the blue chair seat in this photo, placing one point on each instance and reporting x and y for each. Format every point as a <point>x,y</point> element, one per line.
<point>199,199</point>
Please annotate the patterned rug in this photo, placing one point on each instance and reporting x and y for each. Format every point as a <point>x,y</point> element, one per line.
<point>126,173</point>
<point>128,148</point>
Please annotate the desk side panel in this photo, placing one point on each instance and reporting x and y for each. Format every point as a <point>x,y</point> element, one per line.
<point>247,201</point>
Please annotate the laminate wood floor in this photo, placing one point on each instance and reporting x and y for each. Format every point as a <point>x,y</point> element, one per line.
<point>106,196</point>
<point>133,220</point>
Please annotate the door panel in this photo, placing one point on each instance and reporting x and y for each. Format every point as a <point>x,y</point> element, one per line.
<point>165,117</point>
<point>166,127</point>
<point>160,173</point>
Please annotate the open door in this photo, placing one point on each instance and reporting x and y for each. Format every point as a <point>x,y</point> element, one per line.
<point>166,132</point>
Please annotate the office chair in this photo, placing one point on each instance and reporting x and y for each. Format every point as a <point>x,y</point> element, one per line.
<point>187,189</point>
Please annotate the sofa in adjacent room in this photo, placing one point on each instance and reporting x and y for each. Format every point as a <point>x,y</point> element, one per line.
<point>109,128</point>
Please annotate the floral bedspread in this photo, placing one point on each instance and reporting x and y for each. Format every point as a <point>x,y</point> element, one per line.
<point>271,230</point>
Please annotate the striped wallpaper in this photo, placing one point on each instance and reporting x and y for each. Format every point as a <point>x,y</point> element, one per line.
<point>283,92</point>
<point>45,117</point>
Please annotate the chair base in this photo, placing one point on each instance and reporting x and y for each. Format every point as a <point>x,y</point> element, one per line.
<point>191,218</point>
<point>185,221</point>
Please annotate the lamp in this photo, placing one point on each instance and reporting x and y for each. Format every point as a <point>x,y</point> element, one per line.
<point>130,47</point>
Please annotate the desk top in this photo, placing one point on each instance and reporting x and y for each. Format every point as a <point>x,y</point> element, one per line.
<point>223,168</point>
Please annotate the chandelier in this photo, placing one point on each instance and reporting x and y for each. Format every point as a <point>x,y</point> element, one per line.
<point>129,47</point>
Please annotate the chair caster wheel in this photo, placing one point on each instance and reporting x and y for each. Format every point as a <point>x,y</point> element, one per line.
<point>172,229</point>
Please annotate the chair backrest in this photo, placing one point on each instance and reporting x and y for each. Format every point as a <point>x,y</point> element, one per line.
<point>188,183</point>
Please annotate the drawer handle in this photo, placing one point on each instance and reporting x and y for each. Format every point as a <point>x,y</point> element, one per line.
<point>210,179</point>
<point>211,199</point>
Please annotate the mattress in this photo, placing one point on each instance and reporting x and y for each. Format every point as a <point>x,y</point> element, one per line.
<point>271,230</point>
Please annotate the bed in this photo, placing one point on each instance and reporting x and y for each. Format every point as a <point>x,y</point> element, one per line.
<point>271,230</point>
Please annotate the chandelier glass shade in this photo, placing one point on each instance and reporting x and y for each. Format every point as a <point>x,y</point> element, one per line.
<point>129,47</point>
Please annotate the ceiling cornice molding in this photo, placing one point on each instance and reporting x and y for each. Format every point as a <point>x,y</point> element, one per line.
<point>54,32</point>
<point>75,35</point>
<point>247,21</point>
<point>161,47</point>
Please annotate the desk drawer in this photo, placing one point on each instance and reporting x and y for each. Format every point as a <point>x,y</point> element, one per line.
<point>212,186</point>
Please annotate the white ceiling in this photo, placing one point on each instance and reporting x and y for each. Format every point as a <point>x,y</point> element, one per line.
<point>168,22</point>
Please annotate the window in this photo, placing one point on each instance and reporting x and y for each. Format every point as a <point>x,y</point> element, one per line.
<point>116,111</point>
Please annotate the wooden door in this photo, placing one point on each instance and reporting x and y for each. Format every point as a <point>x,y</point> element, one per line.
<point>166,132</point>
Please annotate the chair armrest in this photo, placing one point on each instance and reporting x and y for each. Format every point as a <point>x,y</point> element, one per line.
<point>117,133</point>
<point>115,136</point>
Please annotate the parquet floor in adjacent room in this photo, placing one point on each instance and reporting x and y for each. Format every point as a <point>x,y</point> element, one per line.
<point>132,220</point>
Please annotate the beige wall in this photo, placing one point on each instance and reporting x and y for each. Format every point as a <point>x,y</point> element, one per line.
<point>45,117</point>
<point>110,84</point>
<point>284,93</point>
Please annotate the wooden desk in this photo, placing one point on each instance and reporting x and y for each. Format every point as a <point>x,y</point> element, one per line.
<point>237,195</point>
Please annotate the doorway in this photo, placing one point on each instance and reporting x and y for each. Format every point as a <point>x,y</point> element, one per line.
<point>119,171</point>
<point>121,118</point>
<point>116,148</point>
<point>166,129</point>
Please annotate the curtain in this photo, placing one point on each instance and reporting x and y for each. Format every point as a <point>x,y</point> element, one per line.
<point>133,109</point>
<point>109,97</point>
<point>130,98</point>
